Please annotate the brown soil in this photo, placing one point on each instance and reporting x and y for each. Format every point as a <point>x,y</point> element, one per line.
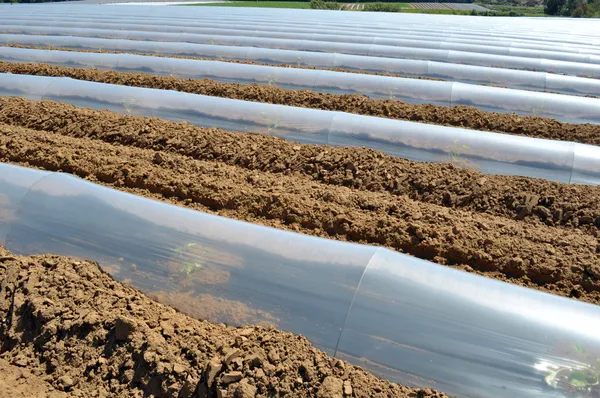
<point>531,232</point>
<point>456,116</point>
<point>70,330</point>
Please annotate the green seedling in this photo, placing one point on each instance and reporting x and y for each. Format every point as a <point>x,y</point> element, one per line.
<point>572,378</point>
<point>583,377</point>
<point>538,111</point>
<point>456,157</point>
<point>188,268</point>
<point>129,105</point>
<point>272,125</point>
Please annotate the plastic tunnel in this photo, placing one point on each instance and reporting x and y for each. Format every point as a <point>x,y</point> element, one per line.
<point>285,30</point>
<point>445,68</point>
<point>504,47</point>
<point>408,320</point>
<point>567,63</point>
<point>489,153</point>
<point>374,86</point>
<point>567,31</point>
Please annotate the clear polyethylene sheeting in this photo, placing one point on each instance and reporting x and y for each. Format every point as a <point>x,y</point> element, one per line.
<point>441,42</point>
<point>489,153</point>
<point>485,68</point>
<point>408,320</point>
<point>491,72</point>
<point>516,57</point>
<point>261,29</point>
<point>401,48</point>
<point>294,24</point>
<point>565,108</point>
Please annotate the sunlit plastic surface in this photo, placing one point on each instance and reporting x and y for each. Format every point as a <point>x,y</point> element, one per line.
<point>213,267</point>
<point>518,60</point>
<point>495,99</point>
<point>489,153</point>
<point>586,165</point>
<point>480,338</point>
<point>296,124</point>
<point>479,46</point>
<point>14,184</point>
<point>491,73</point>
<point>575,110</point>
<point>406,319</point>
<point>399,37</point>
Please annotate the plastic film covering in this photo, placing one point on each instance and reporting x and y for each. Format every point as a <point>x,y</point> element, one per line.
<point>565,108</point>
<point>249,274</point>
<point>409,320</point>
<point>259,29</point>
<point>489,64</point>
<point>518,336</point>
<point>450,43</point>
<point>14,184</point>
<point>398,36</point>
<point>414,49</point>
<point>530,28</point>
<point>489,153</point>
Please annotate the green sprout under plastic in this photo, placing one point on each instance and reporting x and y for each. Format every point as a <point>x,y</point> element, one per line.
<point>188,268</point>
<point>129,104</point>
<point>577,378</point>
<point>272,125</point>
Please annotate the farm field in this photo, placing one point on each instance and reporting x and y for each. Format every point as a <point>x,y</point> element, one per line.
<point>256,4</point>
<point>414,196</point>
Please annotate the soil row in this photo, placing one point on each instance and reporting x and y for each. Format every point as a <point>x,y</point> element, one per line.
<point>552,258</point>
<point>70,330</point>
<point>456,116</point>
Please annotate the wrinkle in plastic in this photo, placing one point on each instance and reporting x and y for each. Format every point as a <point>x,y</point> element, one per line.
<point>411,321</point>
<point>489,153</point>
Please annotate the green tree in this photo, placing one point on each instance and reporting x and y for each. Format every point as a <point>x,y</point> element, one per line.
<point>554,7</point>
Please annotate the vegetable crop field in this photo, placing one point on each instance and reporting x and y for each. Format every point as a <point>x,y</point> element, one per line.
<point>252,202</point>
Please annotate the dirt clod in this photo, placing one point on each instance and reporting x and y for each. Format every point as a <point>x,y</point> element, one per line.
<point>332,387</point>
<point>123,328</point>
<point>80,358</point>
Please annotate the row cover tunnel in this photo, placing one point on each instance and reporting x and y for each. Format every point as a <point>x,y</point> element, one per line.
<point>490,153</point>
<point>579,32</point>
<point>415,91</point>
<point>412,321</point>
<point>524,49</point>
<point>566,63</point>
<point>406,319</point>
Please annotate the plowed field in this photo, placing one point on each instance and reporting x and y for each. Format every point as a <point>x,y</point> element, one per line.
<point>68,329</point>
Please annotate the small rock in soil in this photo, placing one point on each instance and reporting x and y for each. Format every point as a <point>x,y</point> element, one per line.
<point>332,387</point>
